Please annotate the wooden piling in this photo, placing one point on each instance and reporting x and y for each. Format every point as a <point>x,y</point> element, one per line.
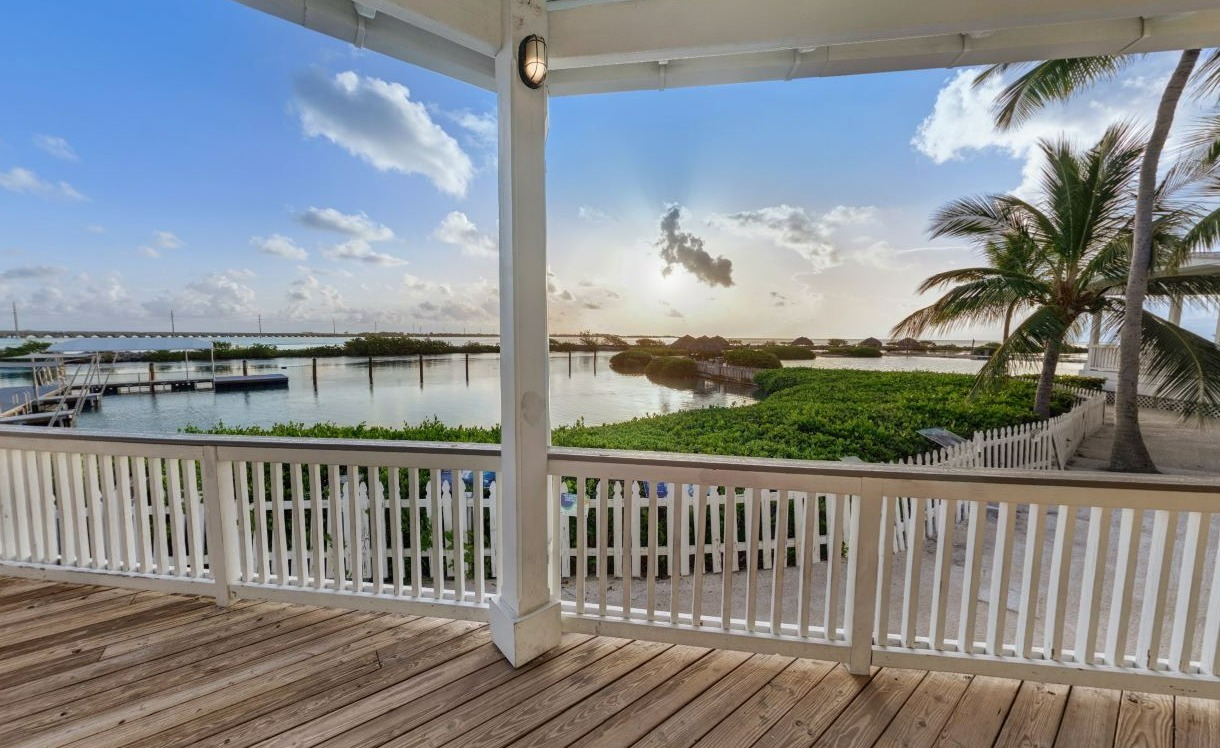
<point>467,368</point>
<point>421,371</point>
<point>152,373</point>
<point>245,369</point>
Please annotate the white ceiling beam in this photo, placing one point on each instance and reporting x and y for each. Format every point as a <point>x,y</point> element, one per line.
<point>588,34</point>
<point>804,59</point>
<point>460,52</point>
<point>474,24</point>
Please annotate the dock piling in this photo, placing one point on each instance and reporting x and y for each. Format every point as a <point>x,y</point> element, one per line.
<point>244,368</point>
<point>421,371</point>
<point>467,368</point>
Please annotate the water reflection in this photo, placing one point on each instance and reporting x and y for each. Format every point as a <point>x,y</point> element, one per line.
<point>454,388</point>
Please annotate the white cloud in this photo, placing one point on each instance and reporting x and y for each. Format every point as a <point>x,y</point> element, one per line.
<point>56,146</point>
<point>148,251</point>
<point>167,240</point>
<point>962,123</point>
<point>458,230</point>
<point>88,298</point>
<point>309,298</point>
<point>20,180</point>
<point>482,127</point>
<point>217,295</point>
<point>377,121</point>
<point>472,302</point>
<point>358,225</point>
<point>95,229</point>
<point>280,246</point>
<point>592,215</point>
<point>359,249</point>
<point>811,236</point>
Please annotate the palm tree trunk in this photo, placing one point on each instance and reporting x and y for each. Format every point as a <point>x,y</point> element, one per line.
<point>1008,320</point>
<point>1128,453</point>
<point>1046,381</point>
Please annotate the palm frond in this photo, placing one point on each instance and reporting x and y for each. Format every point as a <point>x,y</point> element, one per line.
<point>1050,81</point>
<point>1185,366</point>
<point>1024,344</point>
<point>1183,287</point>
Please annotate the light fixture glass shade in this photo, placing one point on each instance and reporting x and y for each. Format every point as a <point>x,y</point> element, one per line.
<point>531,61</point>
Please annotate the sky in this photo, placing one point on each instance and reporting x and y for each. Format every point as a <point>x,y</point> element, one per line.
<point>238,170</point>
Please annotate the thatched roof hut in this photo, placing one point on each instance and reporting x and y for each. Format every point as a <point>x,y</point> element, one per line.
<point>909,344</point>
<point>803,342</point>
<point>870,343</point>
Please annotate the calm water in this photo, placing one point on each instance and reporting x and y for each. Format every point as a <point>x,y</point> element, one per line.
<point>345,393</point>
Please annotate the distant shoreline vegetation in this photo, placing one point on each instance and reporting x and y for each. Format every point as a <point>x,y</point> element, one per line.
<point>812,414</point>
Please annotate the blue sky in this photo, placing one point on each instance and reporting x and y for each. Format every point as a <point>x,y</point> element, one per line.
<point>209,159</point>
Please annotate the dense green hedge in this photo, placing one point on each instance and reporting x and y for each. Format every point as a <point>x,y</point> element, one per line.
<point>820,414</point>
<point>751,358</point>
<point>790,352</point>
<point>672,367</point>
<point>632,361</point>
<point>854,351</point>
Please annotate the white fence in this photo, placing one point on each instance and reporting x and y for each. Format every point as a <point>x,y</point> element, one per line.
<point>723,371</point>
<point>1041,445</point>
<point>1070,577</point>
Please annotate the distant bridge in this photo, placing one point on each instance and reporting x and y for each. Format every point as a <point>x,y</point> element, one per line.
<point>146,334</point>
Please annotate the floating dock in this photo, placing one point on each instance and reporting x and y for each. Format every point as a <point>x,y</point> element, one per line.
<point>250,382</point>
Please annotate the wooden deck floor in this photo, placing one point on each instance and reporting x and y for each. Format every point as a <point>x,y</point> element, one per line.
<point>96,667</point>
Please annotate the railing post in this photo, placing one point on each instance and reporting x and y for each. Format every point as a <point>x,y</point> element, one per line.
<point>863,558</point>
<point>220,522</point>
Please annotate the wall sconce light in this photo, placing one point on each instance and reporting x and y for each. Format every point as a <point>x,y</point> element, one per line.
<point>531,61</point>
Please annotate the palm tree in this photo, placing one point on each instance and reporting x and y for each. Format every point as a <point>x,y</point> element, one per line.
<point>1057,80</point>
<point>1064,256</point>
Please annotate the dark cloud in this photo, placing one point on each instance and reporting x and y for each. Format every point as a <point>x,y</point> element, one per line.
<point>686,250</point>
<point>30,272</point>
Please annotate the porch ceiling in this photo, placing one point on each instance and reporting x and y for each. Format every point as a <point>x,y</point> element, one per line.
<point>619,45</point>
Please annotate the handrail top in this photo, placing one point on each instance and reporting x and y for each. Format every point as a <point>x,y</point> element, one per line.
<point>641,459</point>
<point>888,472</point>
<point>460,449</point>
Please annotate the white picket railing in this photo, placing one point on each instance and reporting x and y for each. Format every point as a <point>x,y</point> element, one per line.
<point>1078,578</point>
<point>275,519</point>
<point>1113,578</point>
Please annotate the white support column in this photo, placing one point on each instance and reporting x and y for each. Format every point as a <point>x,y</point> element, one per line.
<point>1175,312</point>
<point>1095,330</point>
<point>525,612</point>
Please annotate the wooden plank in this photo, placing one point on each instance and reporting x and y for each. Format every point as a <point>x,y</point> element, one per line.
<point>872,710</point>
<point>692,721</point>
<point>356,645</point>
<point>38,662</point>
<point>533,711</point>
<point>1089,718</point>
<point>760,712</point>
<point>460,647</point>
<point>629,725</point>
<point>88,718</point>
<point>176,659</point>
<point>806,721</point>
<point>463,706</point>
<point>1196,723</point>
<point>614,699</point>
<point>1144,719</point>
<point>927,710</point>
<point>980,714</point>
<point>162,636</point>
<point>429,692</point>
<point>1034,718</point>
